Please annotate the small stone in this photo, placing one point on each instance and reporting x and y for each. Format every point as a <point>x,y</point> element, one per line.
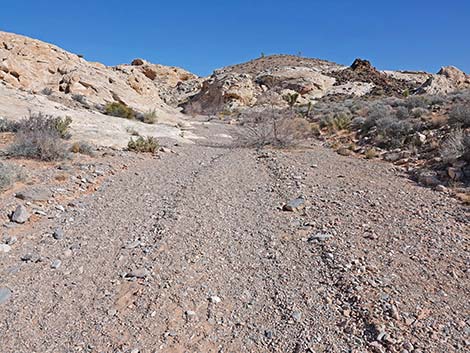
<point>68,253</point>
<point>296,315</point>
<point>5,294</point>
<point>135,350</point>
<point>56,264</point>
<point>139,273</point>
<point>10,240</point>
<point>268,334</point>
<point>31,257</point>
<point>132,245</point>
<point>20,215</point>
<point>408,346</point>
<point>215,299</point>
<point>394,312</point>
<point>190,315</point>
<point>377,347</point>
<point>320,237</point>
<point>294,205</point>
<point>4,248</point>
<point>58,234</point>
<point>441,188</point>
<point>343,151</point>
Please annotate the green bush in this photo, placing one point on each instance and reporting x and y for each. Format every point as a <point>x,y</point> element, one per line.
<point>119,110</point>
<point>336,122</point>
<point>143,144</point>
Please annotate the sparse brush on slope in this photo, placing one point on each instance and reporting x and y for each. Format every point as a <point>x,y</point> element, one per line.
<point>149,117</point>
<point>143,144</point>
<point>41,137</point>
<point>460,115</point>
<point>120,110</point>
<point>9,174</point>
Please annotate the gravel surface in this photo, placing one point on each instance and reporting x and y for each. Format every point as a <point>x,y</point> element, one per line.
<point>195,251</point>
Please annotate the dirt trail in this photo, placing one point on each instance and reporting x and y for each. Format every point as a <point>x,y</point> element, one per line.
<point>192,253</point>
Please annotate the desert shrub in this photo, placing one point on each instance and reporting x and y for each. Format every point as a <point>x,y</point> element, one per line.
<point>82,147</point>
<point>80,98</point>
<point>371,153</point>
<point>132,131</point>
<point>376,111</point>
<point>47,91</point>
<point>392,101</point>
<point>459,96</point>
<point>8,125</point>
<point>402,113</point>
<point>460,115</point>
<point>340,121</point>
<point>44,122</point>
<point>119,110</point>
<point>9,174</point>
<point>143,144</point>
<point>392,132</point>
<point>149,117</point>
<point>41,137</point>
<point>278,128</point>
<point>291,98</point>
<point>416,102</point>
<point>436,100</point>
<point>357,123</point>
<point>455,146</point>
<point>43,145</point>
<point>418,112</point>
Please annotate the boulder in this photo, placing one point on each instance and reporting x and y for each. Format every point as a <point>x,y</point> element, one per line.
<point>447,80</point>
<point>20,215</point>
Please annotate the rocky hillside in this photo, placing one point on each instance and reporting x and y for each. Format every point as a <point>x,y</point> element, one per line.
<point>39,67</point>
<point>268,80</point>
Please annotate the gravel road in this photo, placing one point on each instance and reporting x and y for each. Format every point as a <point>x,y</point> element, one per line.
<point>193,252</point>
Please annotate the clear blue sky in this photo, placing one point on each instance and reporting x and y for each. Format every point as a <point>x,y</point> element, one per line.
<point>204,35</point>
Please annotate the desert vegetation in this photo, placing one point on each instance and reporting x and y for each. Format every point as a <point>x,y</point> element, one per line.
<point>10,174</point>
<point>40,136</point>
<point>273,127</point>
<point>142,144</point>
<point>407,130</point>
<point>119,110</point>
